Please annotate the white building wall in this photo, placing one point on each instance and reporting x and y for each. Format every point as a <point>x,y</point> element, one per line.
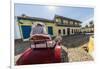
<point>70,31</point>
<point>17,34</point>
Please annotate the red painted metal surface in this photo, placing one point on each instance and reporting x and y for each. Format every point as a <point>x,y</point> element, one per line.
<point>40,56</point>
<point>57,53</point>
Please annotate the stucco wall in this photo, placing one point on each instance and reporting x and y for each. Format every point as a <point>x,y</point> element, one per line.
<point>17,34</point>
<point>55,28</point>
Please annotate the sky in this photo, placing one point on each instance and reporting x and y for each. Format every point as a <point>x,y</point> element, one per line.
<point>83,14</point>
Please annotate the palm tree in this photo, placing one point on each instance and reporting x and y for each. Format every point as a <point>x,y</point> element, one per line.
<point>91,24</point>
<point>86,26</point>
<point>23,15</point>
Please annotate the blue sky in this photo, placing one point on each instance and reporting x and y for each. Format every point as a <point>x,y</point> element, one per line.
<point>80,13</point>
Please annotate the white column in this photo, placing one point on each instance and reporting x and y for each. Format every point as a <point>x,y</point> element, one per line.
<point>70,31</point>
<point>66,30</point>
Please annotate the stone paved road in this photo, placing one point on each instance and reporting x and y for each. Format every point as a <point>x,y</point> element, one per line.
<point>78,54</point>
<point>73,46</point>
<point>75,40</point>
<point>71,49</point>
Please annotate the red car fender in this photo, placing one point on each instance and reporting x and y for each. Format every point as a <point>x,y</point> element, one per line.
<point>51,55</point>
<point>57,53</point>
<point>20,60</point>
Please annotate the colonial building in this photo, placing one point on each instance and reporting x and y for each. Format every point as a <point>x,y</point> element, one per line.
<point>60,24</point>
<point>88,28</point>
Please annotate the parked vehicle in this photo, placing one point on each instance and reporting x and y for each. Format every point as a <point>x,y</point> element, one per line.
<point>42,50</point>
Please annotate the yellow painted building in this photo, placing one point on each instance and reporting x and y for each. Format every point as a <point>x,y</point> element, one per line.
<point>60,24</point>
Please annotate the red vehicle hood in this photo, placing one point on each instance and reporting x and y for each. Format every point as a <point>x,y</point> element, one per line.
<point>40,56</point>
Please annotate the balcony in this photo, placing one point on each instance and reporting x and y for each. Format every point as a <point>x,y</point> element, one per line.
<point>69,25</point>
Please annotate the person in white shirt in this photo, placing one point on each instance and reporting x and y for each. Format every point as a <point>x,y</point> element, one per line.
<point>58,38</point>
<point>38,29</point>
<point>38,33</point>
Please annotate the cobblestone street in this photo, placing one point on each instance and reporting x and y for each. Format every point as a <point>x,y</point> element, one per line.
<point>75,40</point>
<point>77,54</point>
<point>73,45</point>
<point>72,50</point>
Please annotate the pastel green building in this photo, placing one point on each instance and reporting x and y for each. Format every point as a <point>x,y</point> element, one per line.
<point>60,24</point>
